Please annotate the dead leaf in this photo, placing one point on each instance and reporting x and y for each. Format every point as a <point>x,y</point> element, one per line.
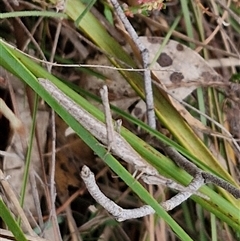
<point>179,68</point>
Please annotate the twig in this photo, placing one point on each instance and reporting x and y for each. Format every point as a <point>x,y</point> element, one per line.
<point>193,170</point>
<point>145,59</point>
<point>53,215</point>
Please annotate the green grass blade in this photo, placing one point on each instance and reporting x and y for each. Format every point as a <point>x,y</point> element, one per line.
<point>166,39</point>
<point>32,14</point>
<point>29,152</point>
<point>89,6</point>
<point>10,222</point>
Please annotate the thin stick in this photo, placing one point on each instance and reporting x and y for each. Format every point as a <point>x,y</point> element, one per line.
<point>193,170</point>
<point>145,59</point>
<point>53,194</point>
